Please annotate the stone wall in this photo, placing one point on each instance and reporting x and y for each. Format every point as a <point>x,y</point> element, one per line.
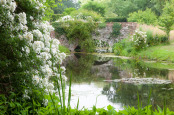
<point>128,28</point>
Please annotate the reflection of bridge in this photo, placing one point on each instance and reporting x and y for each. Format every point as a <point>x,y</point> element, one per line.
<point>100,62</point>
<point>103,69</point>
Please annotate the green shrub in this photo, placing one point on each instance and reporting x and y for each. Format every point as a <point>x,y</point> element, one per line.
<point>118,48</point>
<point>79,30</point>
<point>116,19</point>
<point>123,47</point>
<point>163,39</point>
<point>155,40</point>
<point>147,17</point>
<point>101,25</point>
<point>88,45</point>
<point>58,28</point>
<point>116,29</point>
<point>150,38</point>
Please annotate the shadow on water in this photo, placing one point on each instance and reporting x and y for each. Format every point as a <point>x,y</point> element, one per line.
<point>93,70</point>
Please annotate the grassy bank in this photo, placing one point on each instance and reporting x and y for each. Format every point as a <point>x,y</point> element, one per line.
<point>63,49</point>
<point>161,52</point>
<point>146,45</point>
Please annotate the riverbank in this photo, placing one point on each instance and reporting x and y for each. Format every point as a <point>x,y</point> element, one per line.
<point>162,52</point>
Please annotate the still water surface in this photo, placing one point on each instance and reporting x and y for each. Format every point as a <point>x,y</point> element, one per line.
<point>92,84</point>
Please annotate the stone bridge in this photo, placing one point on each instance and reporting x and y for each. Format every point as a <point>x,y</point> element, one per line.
<point>128,29</point>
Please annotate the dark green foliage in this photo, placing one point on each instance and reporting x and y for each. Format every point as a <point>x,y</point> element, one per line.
<point>116,29</point>
<point>122,7</point>
<point>88,45</point>
<point>77,30</point>
<point>116,19</point>
<point>55,17</point>
<point>95,6</point>
<point>63,4</point>
<point>123,47</point>
<point>167,17</point>
<point>155,40</point>
<point>58,28</point>
<point>81,31</point>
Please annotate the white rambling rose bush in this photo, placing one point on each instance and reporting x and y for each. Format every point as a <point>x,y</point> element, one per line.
<point>139,39</point>
<point>38,40</point>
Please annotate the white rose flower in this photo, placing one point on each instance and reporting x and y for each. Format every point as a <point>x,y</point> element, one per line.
<point>36,79</point>
<point>45,55</point>
<point>10,16</point>
<point>62,55</point>
<point>28,36</point>
<point>22,18</point>
<point>27,49</point>
<point>50,86</point>
<point>13,6</point>
<point>38,34</point>
<point>31,18</point>
<point>38,45</point>
<point>62,69</point>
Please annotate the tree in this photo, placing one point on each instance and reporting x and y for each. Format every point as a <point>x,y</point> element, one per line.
<point>68,11</point>
<point>65,4</point>
<point>122,8</point>
<point>167,17</point>
<point>147,17</point>
<point>95,6</point>
<point>158,6</point>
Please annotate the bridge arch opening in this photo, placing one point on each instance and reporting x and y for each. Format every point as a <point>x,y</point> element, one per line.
<point>77,49</point>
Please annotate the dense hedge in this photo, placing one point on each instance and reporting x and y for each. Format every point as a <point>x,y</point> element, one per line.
<point>116,19</point>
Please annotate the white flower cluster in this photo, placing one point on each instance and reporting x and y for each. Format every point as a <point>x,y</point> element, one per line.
<point>65,18</point>
<point>39,40</point>
<point>139,39</point>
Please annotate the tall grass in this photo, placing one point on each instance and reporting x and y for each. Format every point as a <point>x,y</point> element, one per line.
<point>156,30</point>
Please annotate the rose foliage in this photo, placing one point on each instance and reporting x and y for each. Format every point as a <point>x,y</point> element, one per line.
<point>29,57</point>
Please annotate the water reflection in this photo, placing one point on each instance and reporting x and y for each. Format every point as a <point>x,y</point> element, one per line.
<point>89,71</point>
<point>127,94</point>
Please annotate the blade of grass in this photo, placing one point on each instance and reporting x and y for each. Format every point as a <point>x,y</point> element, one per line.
<point>59,95</point>
<point>77,104</point>
<point>69,95</point>
<point>63,93</point>
<point>164,108</point>
<point>53,103</point>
